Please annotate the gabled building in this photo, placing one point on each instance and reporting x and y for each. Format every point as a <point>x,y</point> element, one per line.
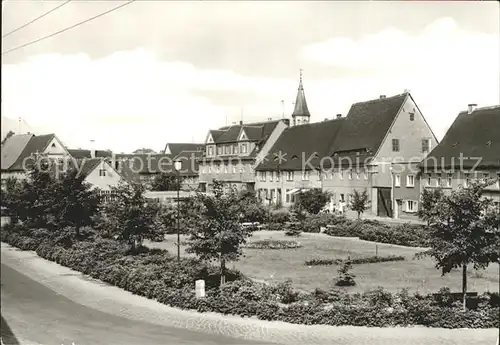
<point>300,115</point>
<point>470,150</point>
<point>351,153</point>
<point>175,149</point>
<point>232,152</point>
<point>19,151</point>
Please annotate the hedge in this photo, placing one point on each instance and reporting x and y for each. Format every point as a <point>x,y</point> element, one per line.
<point>155,274</point>
<point>273,244</point>
<point>354,261</point>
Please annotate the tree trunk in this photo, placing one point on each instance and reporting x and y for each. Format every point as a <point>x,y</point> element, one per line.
<point>77,229</point>
<point>359,215</point>
<point>464,285</point>
<point>222,271</point>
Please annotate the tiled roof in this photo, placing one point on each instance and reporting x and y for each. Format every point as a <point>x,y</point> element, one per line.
<point>36,144</point>
<point>367,123</point>
<point>177,148</point>
<point>12,149</point>
<point>255,131</point>
<point>189,162</point>
<point>80,153</point>
<point>303,141</point>
<point>475,135</point>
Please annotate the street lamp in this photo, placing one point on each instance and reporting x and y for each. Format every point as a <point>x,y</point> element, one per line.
<point>177,166</point>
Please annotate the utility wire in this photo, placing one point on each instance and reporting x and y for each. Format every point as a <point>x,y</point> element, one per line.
<point>68,28</point>
<point>37,18</point>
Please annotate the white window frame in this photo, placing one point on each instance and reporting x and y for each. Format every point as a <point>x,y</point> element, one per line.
<point>234,169</point>
<point>271,176</point>
<point>341,174</point>
<point>305,175</point>
<point>244,148</point>
<point>412,184</point>
<point>262,176</point>
<point>289,175</point>
<point>102,173</point>
<point>414,207</point>
<point>397,180</point>
<point>449,179</point>
<point>429,180</point>
<point>349,174</point>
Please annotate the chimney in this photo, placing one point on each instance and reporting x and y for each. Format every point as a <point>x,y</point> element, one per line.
<point>407,91</point>
<point>241,122</point>
<point>339,116</point>
<point>287,122</point>
<point>471,108</point>
<point>382,96</point>
<point>92,149</point>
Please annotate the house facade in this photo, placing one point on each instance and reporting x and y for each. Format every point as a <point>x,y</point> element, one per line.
<point>406,179</point>
<point>18,153</point>
<point>469,151</point>
<point>232,153</point>
<point>355,152</point>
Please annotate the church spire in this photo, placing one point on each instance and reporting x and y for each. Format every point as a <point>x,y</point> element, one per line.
<point>300,113</point>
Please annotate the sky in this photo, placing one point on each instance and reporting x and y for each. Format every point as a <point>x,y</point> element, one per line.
<point>154,72</point>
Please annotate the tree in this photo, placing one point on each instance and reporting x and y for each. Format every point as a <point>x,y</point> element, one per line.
<point>165,182</point>
<point>345,276</point>
<point>429,198</point>
<point>77,203</point>
<point>312,200</point>
<point>7,136</point>
<point>131,217</point>
<point>215,231</point>
<point>359,202</point>
<point>252,209</point>
<point>464,230</point>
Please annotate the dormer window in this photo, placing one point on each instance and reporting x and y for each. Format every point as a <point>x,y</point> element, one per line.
<point>235,149</point>
<point>210,151</point>
<point>244,148</point>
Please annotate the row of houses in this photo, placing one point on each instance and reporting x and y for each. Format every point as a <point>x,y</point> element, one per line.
<point>383,146</point>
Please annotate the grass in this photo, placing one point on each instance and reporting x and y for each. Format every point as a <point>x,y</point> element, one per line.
<point>271,265</point>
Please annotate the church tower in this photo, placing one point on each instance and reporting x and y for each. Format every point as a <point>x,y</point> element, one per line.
<point>300,113</point>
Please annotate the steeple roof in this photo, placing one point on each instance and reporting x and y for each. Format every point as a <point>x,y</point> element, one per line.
<point>300,102</point>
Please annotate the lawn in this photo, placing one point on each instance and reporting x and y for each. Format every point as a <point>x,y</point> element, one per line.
<point>280,265</point>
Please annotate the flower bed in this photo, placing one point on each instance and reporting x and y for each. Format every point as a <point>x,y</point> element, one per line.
<point>155,274</point>
<point>273,244</point>
<point>355,261</point>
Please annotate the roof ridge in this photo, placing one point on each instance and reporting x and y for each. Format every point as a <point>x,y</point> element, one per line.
<point>381,99</point>
<point>481,108</point>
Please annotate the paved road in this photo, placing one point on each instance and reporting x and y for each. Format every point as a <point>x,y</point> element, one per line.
<point>41,315</point>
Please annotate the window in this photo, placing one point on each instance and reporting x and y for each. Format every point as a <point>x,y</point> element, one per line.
<point>271,176</point>
<point>342,197</point>
<point>365,175</point>
<point>320,175</point>
<point>289,175</point>
<point>244,148</point>
<point>217,169</point>
<point>341,174</point>
<point>305,175</point>
<point>410,181</point>
<point>448,180</point>
<point>234,169</point>
<point>227,149</point>
<point>102,172</point>
<point>219,150</point>
<point>426,145</point>
<point>263,176</point>
<point>226,169</point>
<point>498,180</point>
<point>287,196</point>
<point>439,182</point>
<point>412,116</point>
<point>357,175</point>
<point>235,148</point>
<point>395,145</point>
<point>53,144</point>
<point>411,206</point>
<point>210,151</point>
<point>397,181</point>
<point>350,174</point>
<point>278,176</point>
<point>209,169</point>
<point>486,176</point>
<point>466,180</point>
<point>242,169</point>
<point>429,179</point>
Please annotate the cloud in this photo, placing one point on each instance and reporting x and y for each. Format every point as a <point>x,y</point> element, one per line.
<point>134,98</point>
<point>445,66</point>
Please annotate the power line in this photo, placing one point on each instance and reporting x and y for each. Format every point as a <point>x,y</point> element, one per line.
<point>69,28</point>
<point>37,18</point>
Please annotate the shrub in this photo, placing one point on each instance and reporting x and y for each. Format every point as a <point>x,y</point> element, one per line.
<point>314,222</point>
<point>413,235</point>
<point>345,278</point>
<point>293,229</point>
<point>273,244</point>
<point>279,216</point>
